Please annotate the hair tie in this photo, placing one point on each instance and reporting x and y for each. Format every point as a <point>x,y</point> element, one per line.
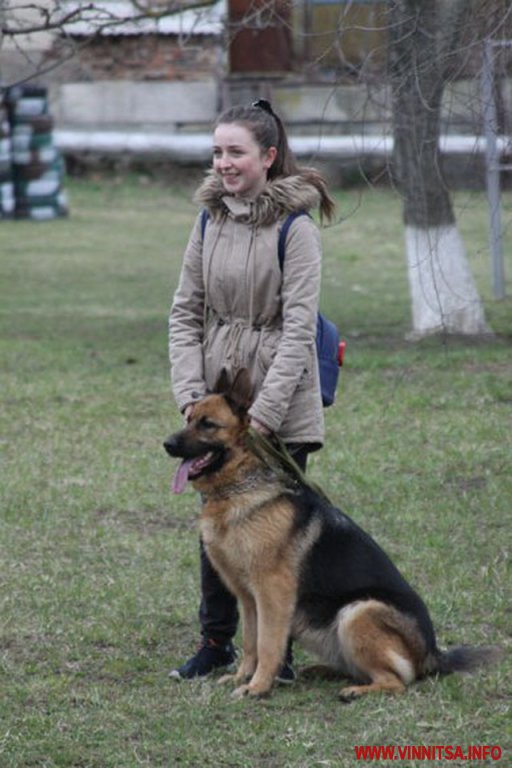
<point>265,105</point>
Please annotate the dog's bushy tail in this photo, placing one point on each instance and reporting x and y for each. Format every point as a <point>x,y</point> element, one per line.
<point>461,658</point>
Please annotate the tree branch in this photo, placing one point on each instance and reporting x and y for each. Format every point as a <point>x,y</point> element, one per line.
<point>99,15</point>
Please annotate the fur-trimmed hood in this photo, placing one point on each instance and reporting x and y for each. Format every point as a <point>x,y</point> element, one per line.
<point>279,198</point>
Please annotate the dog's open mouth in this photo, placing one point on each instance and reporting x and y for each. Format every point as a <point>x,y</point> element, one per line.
<point>189,469</point>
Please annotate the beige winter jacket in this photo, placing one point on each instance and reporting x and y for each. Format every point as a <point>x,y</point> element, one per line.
<point>235,308</point>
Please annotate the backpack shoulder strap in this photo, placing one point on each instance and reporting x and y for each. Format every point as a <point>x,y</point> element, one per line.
<point>281,243</point>
<point>204,221</point>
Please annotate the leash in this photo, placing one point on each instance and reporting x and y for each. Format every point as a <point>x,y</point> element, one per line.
<point>274,453</point>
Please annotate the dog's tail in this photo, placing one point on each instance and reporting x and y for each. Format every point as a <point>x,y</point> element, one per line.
<point>461,658</point>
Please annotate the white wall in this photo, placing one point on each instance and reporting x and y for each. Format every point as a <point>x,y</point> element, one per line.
<point>136,106</point>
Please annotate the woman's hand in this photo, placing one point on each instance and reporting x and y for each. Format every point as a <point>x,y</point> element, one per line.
<point>259,427</point>
<point>187,413</point>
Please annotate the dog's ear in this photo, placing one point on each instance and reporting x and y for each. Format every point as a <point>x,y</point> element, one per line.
<point>223,385</point>
<point>241,389</point>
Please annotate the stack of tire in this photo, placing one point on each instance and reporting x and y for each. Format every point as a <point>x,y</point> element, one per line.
<point>6,180</point>
<point>38,167</point>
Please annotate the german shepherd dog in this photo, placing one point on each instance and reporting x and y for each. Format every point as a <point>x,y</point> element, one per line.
<point>298,566</point>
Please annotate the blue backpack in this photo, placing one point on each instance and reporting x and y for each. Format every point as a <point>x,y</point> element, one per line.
<point>329,347</point>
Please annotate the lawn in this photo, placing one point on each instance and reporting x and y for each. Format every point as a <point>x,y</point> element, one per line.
<point>99,563</point>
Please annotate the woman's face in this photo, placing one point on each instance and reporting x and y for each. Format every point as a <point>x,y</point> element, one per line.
<point>239,160</point>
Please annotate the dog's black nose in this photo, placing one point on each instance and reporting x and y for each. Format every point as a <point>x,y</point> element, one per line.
<point>170,445</point>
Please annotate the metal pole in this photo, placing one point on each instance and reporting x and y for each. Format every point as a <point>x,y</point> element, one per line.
<point>493,173</point>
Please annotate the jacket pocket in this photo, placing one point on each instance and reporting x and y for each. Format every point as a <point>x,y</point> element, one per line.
<point>307,379</point>
<point>266,352</point>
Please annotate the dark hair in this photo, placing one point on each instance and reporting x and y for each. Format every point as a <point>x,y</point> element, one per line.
<point>268,131</point>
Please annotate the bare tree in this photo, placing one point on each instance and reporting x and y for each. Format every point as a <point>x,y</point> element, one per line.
<point>23,24</point>
<point>429,42</point>
<point>426,39</point>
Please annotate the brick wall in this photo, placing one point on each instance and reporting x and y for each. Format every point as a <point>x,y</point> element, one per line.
<point>142,58</point>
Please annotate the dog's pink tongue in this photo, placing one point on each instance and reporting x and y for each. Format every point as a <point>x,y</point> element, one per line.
<point>181,477</point>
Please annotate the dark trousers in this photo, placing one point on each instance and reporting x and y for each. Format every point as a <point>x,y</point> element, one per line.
<point>218,613</point>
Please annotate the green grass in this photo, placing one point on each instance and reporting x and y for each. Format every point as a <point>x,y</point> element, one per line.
<point>98,563</point>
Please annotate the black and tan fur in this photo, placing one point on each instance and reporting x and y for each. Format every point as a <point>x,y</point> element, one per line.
<point>299,567</point>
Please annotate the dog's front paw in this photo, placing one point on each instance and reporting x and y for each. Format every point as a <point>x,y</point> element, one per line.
<point>249,689</point>
<point>226,679</point>
<point>241,691</point>
<point>235,677</point>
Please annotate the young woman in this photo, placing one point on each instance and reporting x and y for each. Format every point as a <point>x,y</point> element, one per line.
<point>236,308</point>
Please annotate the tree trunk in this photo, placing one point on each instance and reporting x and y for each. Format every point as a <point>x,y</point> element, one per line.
<point>443,294</point>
